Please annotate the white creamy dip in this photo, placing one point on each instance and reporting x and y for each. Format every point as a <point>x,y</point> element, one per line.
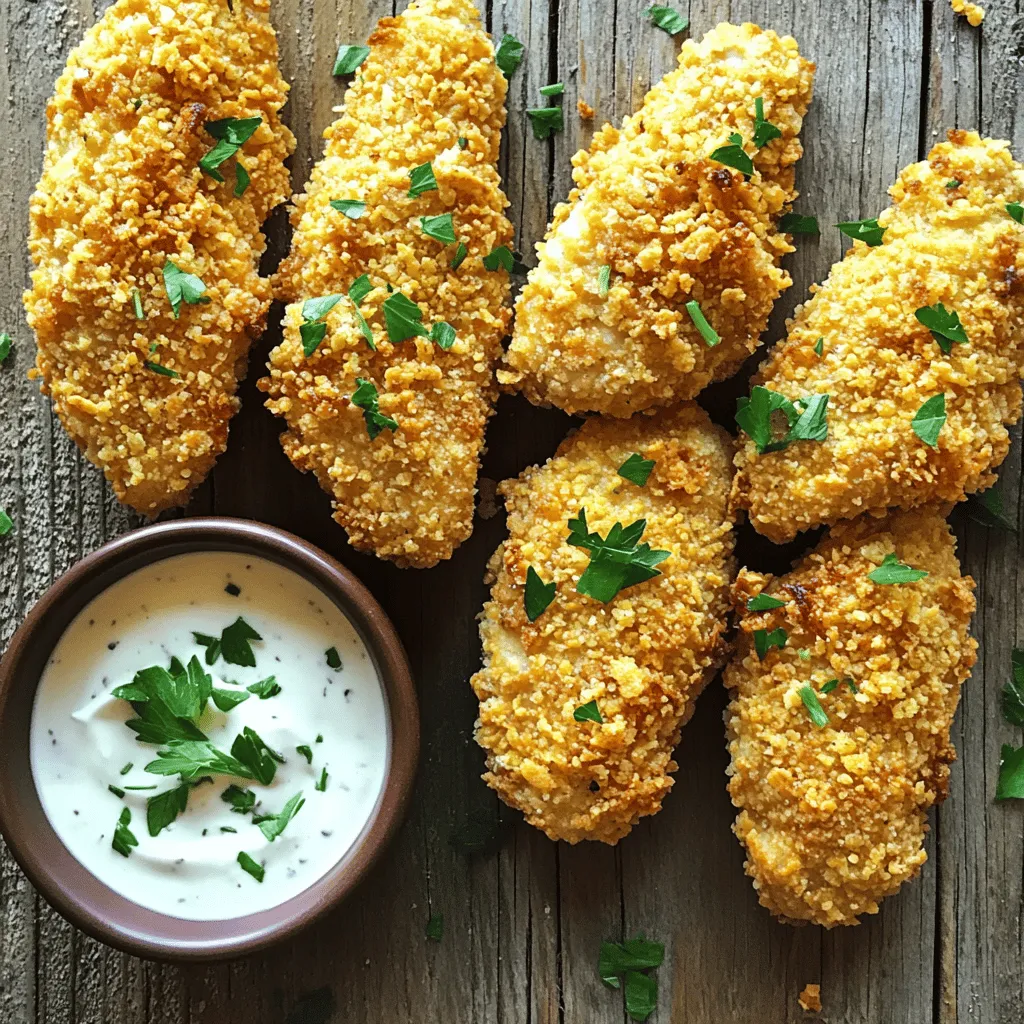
<point>80,744</point>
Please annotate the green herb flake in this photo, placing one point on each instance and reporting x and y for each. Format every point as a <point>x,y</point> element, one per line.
<point>164,809</point>
<point>119,793</point>
<point>182,287</point>
<point>236,643</point>
<point>319,737</point>
<point>641,992</point>
<point>763,603</point>
<point>796,224</point>
<point>667,19</point>
<point>1013,692</point>
<point>422,180</point>
<point>228,828</point>
<point>588,712</point>
<point>265,688</point>
<point>986,508</point>
<point>460,255</point>
<point>192,758</point>
<point>538,594</point>
<point>616,561</point>
<point>140,313</point>
<point>807,418</point>
<point>893,571</point>
<point>231,134</point>
<point>242,180</point>
<point>128,767</point>
<point>804,654</point>
<point>124,839</point>
<point>707,332</point>
<point>636,469</point>
<point>944,324</point>
<point>509,55</point>
<point>306,751</point>
<point>333,658</point>
<point>604,280</point>
<point>829,686</point>
<point>734,155</point>
<point>499,258</point>
<point>5,346</point>
<point>227,700</point>
<point>929,420</point>
<point>1016,211</point>
<point>259,761</point>
<point>616,959</point>
<point>443,335</point>
<point>813,705</point>
<point>272,825</point>
<point>866,230</point>
<point>251,867</point>
<point>545,121</point>
<point>765,640</point>
<point>365,397</point>
<point>321,783</point>
<point>402,318</point>
<point>313,329</point>
<point>6,523</point>
<point>242,800</point>
<point>1011,773</point>
<point>163,371</point>
<point>435,927</point>
<point>352,208</point>
<point>819,347</point>
<point>764,131</point>
<point>441,228</point>
<point>555,89</point>
<point>349,59</point>
<point>463,142</point>
<point>953,183</point>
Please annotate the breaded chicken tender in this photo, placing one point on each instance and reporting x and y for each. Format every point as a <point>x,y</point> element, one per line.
<point>671,226</point>
<point>642,658</point>
<point>949,240</point>
<point>407,493</point>
<point>833,812</point>
<point>148,396</point>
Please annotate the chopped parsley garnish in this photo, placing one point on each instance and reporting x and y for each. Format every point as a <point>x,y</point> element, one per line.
<point>944,324</point>
<point>231,134</point>
<point>306,751</point>
<point>157,694</point>
<point>119,793</point>
<point>796,224</point>
<point>435,927</point>
<point>953,183</point>
<point>1016,211</point>
<point>225,700</point>
<point>509,55</point>
<point>892,570</point>
<point>538,594</point>
<point>182,287</point>
<point>321,783</point>
<point>616,561</point>
<point>249,865</point>
<point>140,313</point>
<point>866,230</point>
<point>242,180</point>
<point>260,761</point>
<point>554,89</point>
<point>1011,773</point>
<point>333,658</point>
<point>636,469</point>
<point>163,371</point>
<point>234,642</point>
<point>349,59</point>
<point>422,180</point>
<point>352,208</point>
<point>313,329</point>
<point>499,257</point>
<point>463,142</point>
<point>764,131</point>
<point>441,228</point>
<point>358,290</point>
<point>460,255</point>
<point>986,508</point>
<point>319,737</point>
<point>365,397</point>
<point>707,332</point>
<point>765,640</point>
<point>641,995</point>
<point>162,810</point>
<point>545,121</point>
<point>233,589</point>
<point>604,280</point>
<point>402,318</point>
<point>813,705</point>
<point>242,800</point>
<point>128,767</point>
<point>272,825</point>
<point>807,418</point>
<point>667,19</point>
<point>228,828</point>
<point>588,712</point>
<point>124,839</point>
<point>804,654</point>
<point>6,523</point>
<point>830,686</point>
<point>734,155</point>
<point>192,758</point>
<point>265,688</point>
<point>443,335</point>
<point>929,420</point>
<point>763,603</point>
<point>819,346</point>
<point>1013,691</point>
<point>5,346</point>
<point>627,963</point>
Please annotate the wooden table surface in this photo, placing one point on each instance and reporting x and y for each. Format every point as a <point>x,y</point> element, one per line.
<point>524,918</point>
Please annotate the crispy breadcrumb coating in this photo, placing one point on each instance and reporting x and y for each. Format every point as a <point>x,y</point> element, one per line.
<point>974,13</point>
<point>833,818</point>
<point>810,998</point>
<point>673,226</point>
<point>644,657</point>
<point>430,80</point>
<point>948,239</point>
<point>122,192</point>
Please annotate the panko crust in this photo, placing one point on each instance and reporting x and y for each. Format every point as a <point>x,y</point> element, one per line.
<point>407,496</point>
<point>672,225</point>
<point>121,192</point>
<point>834,819</point>
<point>958,246</point>
<point>644,657</point>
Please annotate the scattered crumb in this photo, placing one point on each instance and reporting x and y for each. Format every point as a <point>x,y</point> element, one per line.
<point>974,13</point>
<point>810,998</point>
<point>586,110</point>
<point>487,506</point>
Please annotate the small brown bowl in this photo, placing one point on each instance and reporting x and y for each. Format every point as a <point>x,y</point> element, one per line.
<point>71,888</point>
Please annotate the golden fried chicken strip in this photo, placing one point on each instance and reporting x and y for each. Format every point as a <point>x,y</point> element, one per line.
<point>643,657</point>
<point>833,817</point>
<point>408,493</point>
<point>954,244</point>
<point>120,195</point>
<point>672,226</point>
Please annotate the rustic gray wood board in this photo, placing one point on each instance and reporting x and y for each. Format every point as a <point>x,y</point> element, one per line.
<point>523,921</point>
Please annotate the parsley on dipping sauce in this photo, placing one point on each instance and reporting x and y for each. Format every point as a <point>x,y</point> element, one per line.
<point>306,751</point>
<point>807,418</point>
<point>892,571</point>
<point>944,324</point>
<point>627,962</point>
<point>813,705</point>
<point>124,839</point>
<point>929,420</point>
<point>6,523</point>
<point>234,643</point>
<point>763,603</point>
<point>352,208</point>
<point>545,121</point>
<point>119,793</point>
<point>435,927</point>
<point>333,658</point>
<point>313,329</point>
<point>233,589</point>
<point>636,469</point>
<point>249,865</point>
<point>272,825</point>
<point>765,640</point>
<point>538,594</point>
<point>162,810</point>
<point>666,19</point>
<point>795,224</point>
<point>764,131</point>
<point>265,688</point>
<point>707,332</point>
<point>365,397</point>
<point>734,155</point>
<point>182,287</point>
<point>866,231</point>
<point>499,257</point>
<point>441,228</point>
<point>616,561</point>
<point>588,712</point>
<point>349,59</point>
<point>509,55</point>
<point>422,180</point>
<point>1016,211</point>
<point>242,800</point>
<point>321,784</point>
<point>231,134</point>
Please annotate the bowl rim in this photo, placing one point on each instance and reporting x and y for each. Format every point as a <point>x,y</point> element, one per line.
<point>71,888</point>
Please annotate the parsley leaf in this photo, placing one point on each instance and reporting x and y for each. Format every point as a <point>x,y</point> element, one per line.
<point>359,289</point>
<point>829,686</point>
<point>1016,211</point>
<point>641,995</point>
<point>349,59</point>
<point>235,643</point>
<point>944,324</point>
<point>352,208</point>
<point>402,318</point>
<point>321,784</point>
<point>1011,773</point>
<point>929,420</point>
<point>763,603</point>
<point>313,329</point>
<point>422,180</point>
<point>765,640</point>
<point>265,688</point>
<point>733,155</point>
<point>1013,691</point>
<point>667,19</point>
<point>604,280</point>
<point>545,121</point>
<point>164,371</point>
<point>707,332</point>
<point>441,228</point>
<point>796,224</point>
<point>162,810</point>
<point>6,523</point>
<point>435,927</point>
<point>124,839</point>
<point>226,700</point>
<point>953,183</point>
<point>272,825</point>
<point>764,131</point>
<point>461,252</point>
<point>616,562</point>
<point>892,570</point>
<point>140,314</point>
<point>231,134</point>
<point>333,658</point>
<point>242,180</point>
<point>248,864</point>
<point>365,397</point>
<point>813,705</point>
<point>306,751</point>
<point>986,508</point>
<point>555,89</point>
<point>588,712</point>
<point>807,418</point>
<point>866,230</point>
<point>538,594</point>
<point>119,793</point>
<point>443,335</point>
<point>509,55</point>
<point>636,469</point>
<point>5,343</point>
<point>258,759</point>
<point>499,257</point>
<point>192,758</point>
<point>819,346</point>
<point>212,645</point>
<point>182,287</point>
<point>242,800</point>
<point>637,954</point>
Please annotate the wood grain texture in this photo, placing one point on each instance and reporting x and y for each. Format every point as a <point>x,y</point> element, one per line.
<point>524,918</point>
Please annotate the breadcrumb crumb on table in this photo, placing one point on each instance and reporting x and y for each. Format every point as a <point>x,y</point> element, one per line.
<point>644,657</point>
<point>586,110</point>
<point>974,13</point>
<point>810,999</point>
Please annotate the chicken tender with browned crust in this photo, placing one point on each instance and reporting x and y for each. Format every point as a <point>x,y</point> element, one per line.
<point>950,243</point>
<point>655,223</point>
<point>429,94</point>
<point>839,738</point>
<point>148,394</point>
<point>641,659</point>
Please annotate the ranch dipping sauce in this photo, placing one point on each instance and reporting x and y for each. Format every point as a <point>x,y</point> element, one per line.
<point>256,778</point>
